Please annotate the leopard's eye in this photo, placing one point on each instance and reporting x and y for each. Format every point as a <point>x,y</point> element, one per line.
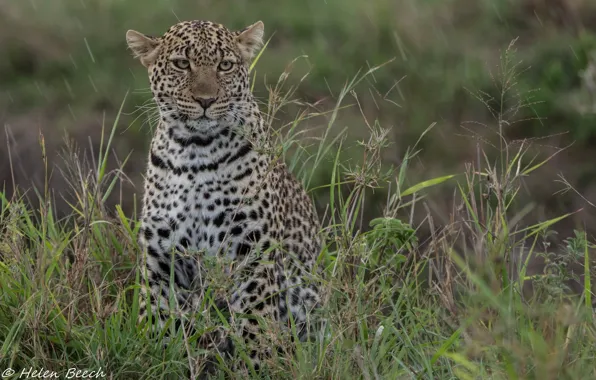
<point>225,65</point>
<point>182,64</point>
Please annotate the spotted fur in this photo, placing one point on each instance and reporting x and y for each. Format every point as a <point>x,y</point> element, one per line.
<point>213,188</point>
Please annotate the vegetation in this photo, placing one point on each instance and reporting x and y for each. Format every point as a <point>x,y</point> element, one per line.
<point>443,273</point>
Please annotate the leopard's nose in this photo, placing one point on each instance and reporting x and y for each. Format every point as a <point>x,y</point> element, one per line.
<point>205,102</point>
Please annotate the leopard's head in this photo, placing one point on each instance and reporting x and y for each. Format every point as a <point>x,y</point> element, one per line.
<point>198,72</point>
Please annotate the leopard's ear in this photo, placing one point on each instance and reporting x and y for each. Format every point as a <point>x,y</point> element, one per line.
<point>144,47</point>
<point>250,39</point>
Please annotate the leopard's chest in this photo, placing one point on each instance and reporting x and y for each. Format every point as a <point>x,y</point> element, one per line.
<point>209,208</point>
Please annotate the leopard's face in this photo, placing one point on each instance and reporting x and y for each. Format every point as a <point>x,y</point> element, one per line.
<point>198,72</point>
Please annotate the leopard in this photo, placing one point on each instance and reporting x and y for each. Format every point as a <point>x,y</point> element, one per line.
<point>215,188</point>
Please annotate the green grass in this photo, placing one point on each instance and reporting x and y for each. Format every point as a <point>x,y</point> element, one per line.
<point>464,303</point>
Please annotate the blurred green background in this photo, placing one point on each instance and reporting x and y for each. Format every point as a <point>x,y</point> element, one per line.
<point>65,68</point>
